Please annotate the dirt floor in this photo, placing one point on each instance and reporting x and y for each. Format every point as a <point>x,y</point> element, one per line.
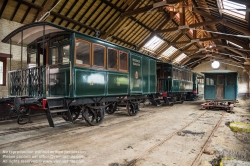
<point>177,135</point>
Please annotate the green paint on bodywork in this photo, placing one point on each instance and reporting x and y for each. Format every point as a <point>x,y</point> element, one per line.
<point>59,81</point>
<point>89,82</point>
<point>117,83</point>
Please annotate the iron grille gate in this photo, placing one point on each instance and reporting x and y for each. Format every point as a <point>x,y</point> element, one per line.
<point>28,82</point>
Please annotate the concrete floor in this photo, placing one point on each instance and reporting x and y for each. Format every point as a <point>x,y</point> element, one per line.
<point>161,136</point>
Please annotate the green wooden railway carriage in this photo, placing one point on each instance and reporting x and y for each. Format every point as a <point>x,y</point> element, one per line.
<point>71,73</point>
<point>175,81</point>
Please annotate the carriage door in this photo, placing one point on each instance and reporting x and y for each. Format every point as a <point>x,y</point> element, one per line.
<point>220,87</point>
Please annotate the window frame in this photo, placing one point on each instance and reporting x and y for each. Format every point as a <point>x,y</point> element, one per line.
<point>4,60</point>
<point>90,52</point>
<point>117,59</point>
<point>120,61</point>
<point>93,57</point>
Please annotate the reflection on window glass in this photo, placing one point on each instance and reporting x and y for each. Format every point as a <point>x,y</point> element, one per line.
<point>112,58</point>
<point>210,81</point>
<point>41,60</point>
<point>1,72</point>
<point>32,58</point>
<point>54,56</point>
<point>65,54</point>
<point>123,61</point>
<point>99,55</point>
<point>82,52</point>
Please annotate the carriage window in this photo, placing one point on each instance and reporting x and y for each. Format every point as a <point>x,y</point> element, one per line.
<point>210,81</point>
<point>99,55</point>
<point>230,80</point>
<point>82,52</point>
<point>112,58</point>
<point>123,61</point>
<point>54,56</point>
<point>175,73</point>
<point>65,54</point>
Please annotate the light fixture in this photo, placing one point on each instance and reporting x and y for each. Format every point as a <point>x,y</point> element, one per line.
<point>215,64</point>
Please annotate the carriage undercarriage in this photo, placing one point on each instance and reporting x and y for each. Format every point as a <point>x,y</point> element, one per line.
<point>92,110</point>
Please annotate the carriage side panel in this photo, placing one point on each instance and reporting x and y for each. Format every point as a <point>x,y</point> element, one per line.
<point>153,76</point>
<point>117,83</point>
<point>135,74</point>
<point>89,83</point>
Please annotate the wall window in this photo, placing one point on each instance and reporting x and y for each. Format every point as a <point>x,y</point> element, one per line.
<point>123,61</point>
<point>98,55</point>
<point>2,71</point>
<point>82,52</point>
<point>112,59</point>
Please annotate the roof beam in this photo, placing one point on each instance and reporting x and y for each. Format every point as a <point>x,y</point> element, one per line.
<point>72,21</point>
<point>205,14</point>
<point>14,13</point>
<point>3,7</point>
<point>245,46</point>
<point>196,40</point>
<point>171,16</point>
<point>190,26</point>
<point>48,4</point>
<point>78,10</point>
<point>119,20</point>
<point>26,13</point>
<point>69,10</point>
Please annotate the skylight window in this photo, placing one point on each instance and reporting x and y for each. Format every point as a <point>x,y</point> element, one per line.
<point>234,8</point>
<point>236,45</point>
<point>153,44</point>
<point>180,58</point>
<point>169,51</point>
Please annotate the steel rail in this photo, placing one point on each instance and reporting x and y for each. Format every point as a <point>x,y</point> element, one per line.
<point>208,139</point>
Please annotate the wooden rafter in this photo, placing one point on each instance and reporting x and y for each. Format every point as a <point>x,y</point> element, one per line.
<point>171,16</point>
<point>60,10</point>
<point>77,12</point>
<point>26,13</point>
<point>194,40</point>
<point>69,10</point>
<point>3,7</point>
<point>191,26</point>
<point>48,5</point>
<point>246,32</point>
<point>96,8</point>
<point>15,11</point>
<point>118,21</point>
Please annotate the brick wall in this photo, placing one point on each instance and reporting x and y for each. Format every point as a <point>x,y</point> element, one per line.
<point>6,27</point>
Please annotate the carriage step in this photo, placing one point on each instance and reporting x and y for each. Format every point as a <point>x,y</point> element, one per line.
<point>58,110</point>
<point>56,105</point>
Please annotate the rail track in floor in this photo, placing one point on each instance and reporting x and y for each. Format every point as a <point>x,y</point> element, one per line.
<point>169,136</point>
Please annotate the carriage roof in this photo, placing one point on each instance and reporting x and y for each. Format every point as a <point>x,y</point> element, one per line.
<point>26,34</point>
<point>219,72</point>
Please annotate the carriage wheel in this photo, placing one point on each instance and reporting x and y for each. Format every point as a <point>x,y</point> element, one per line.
<point>131,109</point>
<point>74,111</point>
<point>111,108</point>
<point>92,116</point>
<point>158,102</point>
